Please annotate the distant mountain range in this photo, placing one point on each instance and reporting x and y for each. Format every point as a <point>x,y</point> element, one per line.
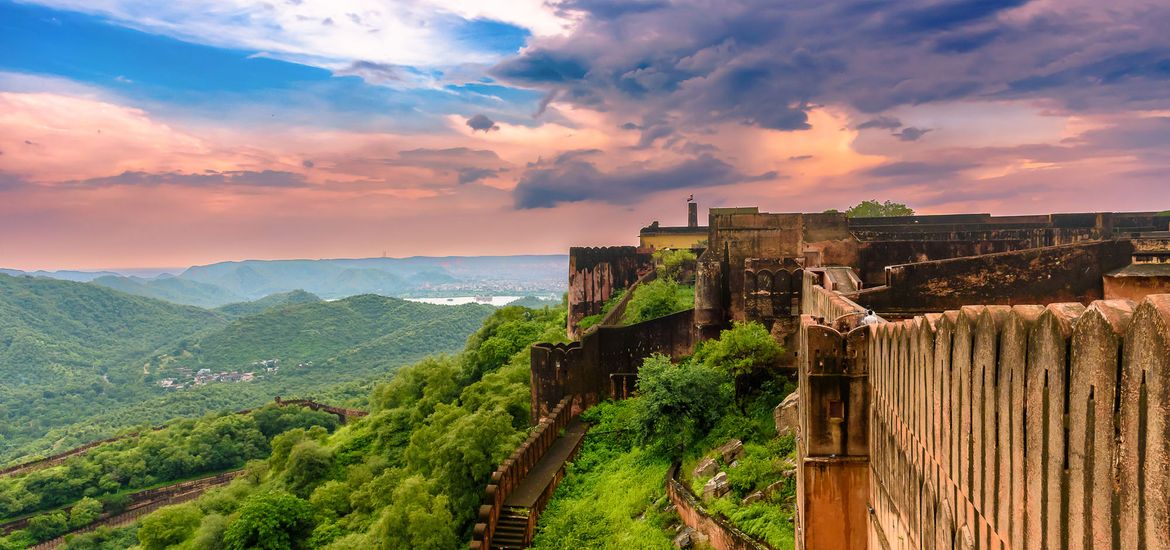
<point>223,283</point>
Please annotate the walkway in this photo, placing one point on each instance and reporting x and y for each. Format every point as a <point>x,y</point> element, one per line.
<point>543,473</point>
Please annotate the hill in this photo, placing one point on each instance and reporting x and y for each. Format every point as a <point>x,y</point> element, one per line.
<point>240,309</point>
<point>79,361</point>
<point>65,334</point>
<point>337,278</point>
<point>171,289</point>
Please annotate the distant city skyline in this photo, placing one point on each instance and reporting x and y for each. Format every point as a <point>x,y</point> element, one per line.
<point>140,134</point>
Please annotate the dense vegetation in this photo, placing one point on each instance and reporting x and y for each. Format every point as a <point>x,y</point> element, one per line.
<point>614,494</point>
<point>98,480</point>
<point>875,209</point>
<point>272,301</point>
<point>79,362</point>
<point>658,298</point>
<point>408,476</point>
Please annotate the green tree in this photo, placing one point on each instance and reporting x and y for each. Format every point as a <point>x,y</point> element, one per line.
<point>209,536</point>
<point>676,404</point>
<point>416,519</point>
<point>47,526</point>
<point>308,464</point>
<point>875,209</point>
<point>270,521</point>
<point>744,352</point>
<point>168,526</point>
<point>657,298</point>
<point>85,512</point>
<point>670,263</point>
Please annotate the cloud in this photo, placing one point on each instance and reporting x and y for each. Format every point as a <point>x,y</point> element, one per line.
<point>917,170</point>
<point>307,163</point>
<point>883,122</point>
<point>208,178</point>
<point>911,133</point>
<point>424,33</point>
<point>482,122</point>
<point>766,64</point>
<point>11,181</point>
<point>574,176</point>
<point>466,164</point>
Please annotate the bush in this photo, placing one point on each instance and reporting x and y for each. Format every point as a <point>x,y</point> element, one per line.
<point>670,263</point>
<point>658,298</point>
<point>745,351</point>
<point>270,521</point>
<point>677,404</point>
<point>168,526</point>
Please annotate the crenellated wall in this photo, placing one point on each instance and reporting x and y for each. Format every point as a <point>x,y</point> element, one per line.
<point>1022,427</point>
<point>596,274</point>
<point>1072,273</point>
<point>605,362</point>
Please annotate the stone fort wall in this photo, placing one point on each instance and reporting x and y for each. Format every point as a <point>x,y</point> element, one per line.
<point>605,362</point>
<point>596,274</point>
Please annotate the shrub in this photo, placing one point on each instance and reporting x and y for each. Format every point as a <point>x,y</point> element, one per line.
<point>168,526</point>
<point>670,263</point>
<point>270,521</point>
<point>677,404</point>
<point>658,298</point>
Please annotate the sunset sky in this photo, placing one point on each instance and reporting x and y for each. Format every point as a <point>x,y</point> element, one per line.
<point>140,133</point>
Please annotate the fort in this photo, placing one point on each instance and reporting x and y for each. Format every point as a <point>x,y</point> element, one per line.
<point>1014,391</point>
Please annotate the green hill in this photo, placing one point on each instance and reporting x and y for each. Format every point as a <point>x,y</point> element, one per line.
<point>79,362</point>
<point>281,299</point>
<point>171,289</point>
<point>63,333</point>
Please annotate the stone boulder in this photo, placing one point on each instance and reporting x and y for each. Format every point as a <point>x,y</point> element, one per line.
<point>753,498</point>
<point>706,468</point>
<point>787,421</point>
<point>684,538</point>
<point>717,487</point>
<point>731,451</point>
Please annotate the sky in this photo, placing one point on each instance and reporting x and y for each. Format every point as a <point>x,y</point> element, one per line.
<point>137,133</point>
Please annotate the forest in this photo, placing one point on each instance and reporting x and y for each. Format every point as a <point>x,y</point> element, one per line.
<point>81,362</point>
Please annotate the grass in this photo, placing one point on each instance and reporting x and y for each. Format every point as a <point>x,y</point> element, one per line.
<point>613,496</point>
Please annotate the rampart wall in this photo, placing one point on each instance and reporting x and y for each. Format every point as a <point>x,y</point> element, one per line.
<point>605,362</point>
<point>1022,427</point>
<point>596,274</point>
<point>1071,273</point>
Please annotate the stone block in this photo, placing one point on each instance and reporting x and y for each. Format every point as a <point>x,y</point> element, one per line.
<point>684,539</point>
<point>706,468</point>
<point>787,421</point>
<point>731,450</point>
<point>717,487</point>
<point>753,498</point>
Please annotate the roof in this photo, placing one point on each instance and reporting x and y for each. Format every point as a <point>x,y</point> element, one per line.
<point>675,230</point>
<point>1142,270</point>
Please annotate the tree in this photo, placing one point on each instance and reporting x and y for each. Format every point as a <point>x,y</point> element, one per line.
<point>676,404</point>
<point>308,463</point>
<point>416,519</point>
<point>670,263</point>
<point>168,526</point>
<point>655,299</point>
<point>875,209</point>
<point>47,526</point>
<point>270,521</point>
<point>85,512</point>
<point>742,351</point>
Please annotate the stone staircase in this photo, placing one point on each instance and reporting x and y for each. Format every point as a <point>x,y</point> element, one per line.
<point>511,531</point>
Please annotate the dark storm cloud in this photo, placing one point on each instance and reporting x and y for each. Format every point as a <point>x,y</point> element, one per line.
<point>911,133</point>
<point>208,178</point>
<point>574,177</point>
<point>883,122</point>
<point>764,63</point>
<point>482,122</point>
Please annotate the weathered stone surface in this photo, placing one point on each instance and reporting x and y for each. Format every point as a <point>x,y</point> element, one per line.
<point>717,487</point>
<point>787,422</point>
<point>753,498</point>
<point>685,538</point>
<point>731,450</point>
<point>706,468</point>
